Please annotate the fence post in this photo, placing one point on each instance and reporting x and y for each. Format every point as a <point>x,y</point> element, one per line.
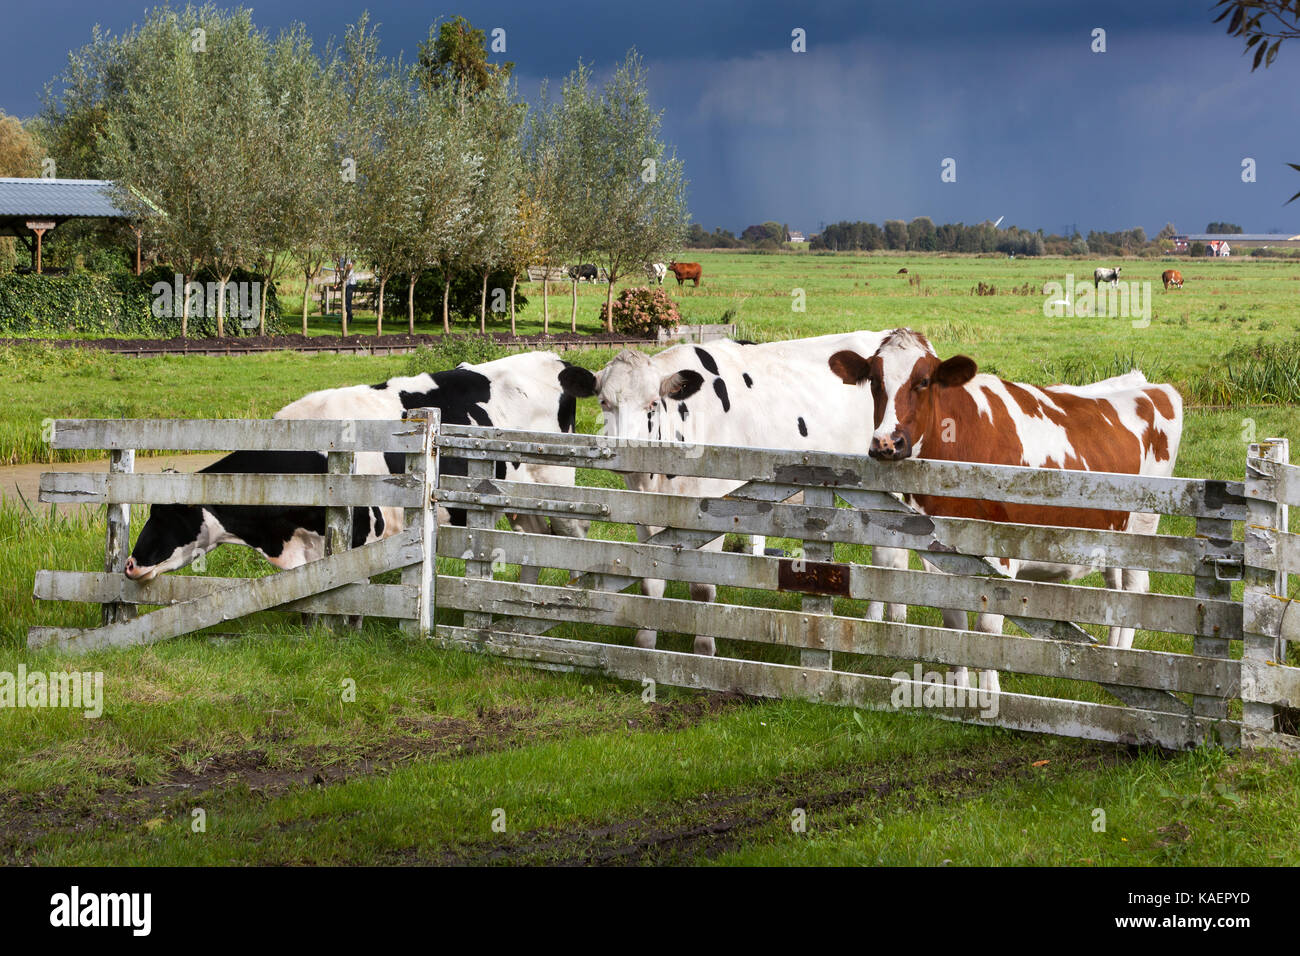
<point>479,519</point>
<point>117,542</point>
<point>424,576</point>
<point>817,551</point>
<point>1217,533</point>
<point>1261,623</point>
<point>338,523</point>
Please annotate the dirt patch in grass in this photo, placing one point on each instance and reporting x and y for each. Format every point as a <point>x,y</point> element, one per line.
<point>299,342</point>
<point>24,818</point>
<point>709,826</point>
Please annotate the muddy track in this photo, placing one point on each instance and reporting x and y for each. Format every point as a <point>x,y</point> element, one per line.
<point>26,817</point>
<point>393,344</point>
<point>704,828</point>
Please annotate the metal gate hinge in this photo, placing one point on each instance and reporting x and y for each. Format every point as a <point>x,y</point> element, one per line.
<point>1228,569</point>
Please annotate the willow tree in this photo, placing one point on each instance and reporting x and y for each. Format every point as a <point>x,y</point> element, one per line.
<point>495,120</point>
<point>543,202</point>
<point>237,102</point>
<point>149,88</point>
<point>627,189</point>
<point>300,220</point>
<point>389,233</point>
<point>453,168</point>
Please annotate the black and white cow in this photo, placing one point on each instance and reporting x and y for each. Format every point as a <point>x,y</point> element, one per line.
<point>584,273</point>
<point>655,272</point>
<point>1105,275</point>
<point>772,395</point>
<point>176,535</point>
<point>521,391</point>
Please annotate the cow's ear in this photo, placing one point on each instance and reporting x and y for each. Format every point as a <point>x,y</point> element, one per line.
<point>955,372</point>
<point>577,381</point>
<point>681,385</point>
<point>849,366</point>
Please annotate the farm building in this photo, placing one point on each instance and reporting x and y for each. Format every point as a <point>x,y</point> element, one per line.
<point>1221,244</point>
<point>29,208</point>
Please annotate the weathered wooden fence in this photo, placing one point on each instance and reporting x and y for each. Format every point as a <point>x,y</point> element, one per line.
<point>1187,689</point>
<point>337,585</point>
<point>1185,685</point>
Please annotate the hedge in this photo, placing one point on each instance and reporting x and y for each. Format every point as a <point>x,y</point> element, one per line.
<point>121,304</point>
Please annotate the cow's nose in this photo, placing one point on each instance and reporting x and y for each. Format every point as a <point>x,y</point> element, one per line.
<point>891,448</point>
<point>132,569</point>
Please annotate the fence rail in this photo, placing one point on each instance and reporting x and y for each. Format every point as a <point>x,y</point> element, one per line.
<point>1181,686</point>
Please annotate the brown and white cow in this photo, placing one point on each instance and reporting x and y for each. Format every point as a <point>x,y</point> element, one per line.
<point>1172,277</point>
<point>944,411</point>
<point>686,270</point>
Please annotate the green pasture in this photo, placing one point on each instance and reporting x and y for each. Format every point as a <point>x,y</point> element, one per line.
<point>444,757</point>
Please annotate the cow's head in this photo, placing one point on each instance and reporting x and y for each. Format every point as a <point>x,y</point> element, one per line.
<point>174,536</point>
<point>577,381</point>
<point>634,393</point>
<point>906,378</point>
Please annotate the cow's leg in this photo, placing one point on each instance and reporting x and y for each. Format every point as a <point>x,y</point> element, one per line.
<point>528,524</point>
<point>1136,580</point>
<point>953,618</point>
<point>895,558</point>
<point>654,588</point>
<point>989,624</point>
<point>706,593</point>
<point>757,545</point>
<point>992,624</point>
<point>650,587</point>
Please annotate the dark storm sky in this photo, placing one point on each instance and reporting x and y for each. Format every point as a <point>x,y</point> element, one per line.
<point>1044,131</point>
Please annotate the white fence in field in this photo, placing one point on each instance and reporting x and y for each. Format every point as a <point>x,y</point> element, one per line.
<point>1189,689</point>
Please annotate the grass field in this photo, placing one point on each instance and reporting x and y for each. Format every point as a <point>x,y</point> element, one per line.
<point>255,729</point>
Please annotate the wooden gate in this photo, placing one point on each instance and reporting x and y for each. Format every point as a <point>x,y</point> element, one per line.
<point>337,585</point>
<point>1214,632</point>
<point>1185,687</point>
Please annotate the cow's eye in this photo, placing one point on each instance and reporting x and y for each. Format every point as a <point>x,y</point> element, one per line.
<point>923,383</point>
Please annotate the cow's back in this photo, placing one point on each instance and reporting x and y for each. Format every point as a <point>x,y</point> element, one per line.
<point>767,395</point>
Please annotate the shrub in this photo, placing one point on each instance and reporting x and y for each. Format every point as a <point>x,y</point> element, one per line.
<point>639,309</point>
<point>451,350</point>
<point>462,302</point>
<point>119,304</point>
<point>1261,374</point>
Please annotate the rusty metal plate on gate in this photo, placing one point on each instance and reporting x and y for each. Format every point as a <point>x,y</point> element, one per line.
<point>813,577</point>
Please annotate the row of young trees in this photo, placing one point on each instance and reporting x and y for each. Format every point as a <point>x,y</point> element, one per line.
<point>239,149</point>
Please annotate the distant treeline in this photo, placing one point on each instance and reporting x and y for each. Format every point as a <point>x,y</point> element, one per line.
<point>922,235</point>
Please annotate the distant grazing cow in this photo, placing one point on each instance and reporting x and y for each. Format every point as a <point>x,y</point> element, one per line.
<point>902,272</point>
<point>1105,275</point>
<point>686,270</point>
<point>1124,425</point>
<point>520,391</point>
<point>655,272</point>
<point>584,273</point>
<point>1172,277</point>
<point>771,395</point>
